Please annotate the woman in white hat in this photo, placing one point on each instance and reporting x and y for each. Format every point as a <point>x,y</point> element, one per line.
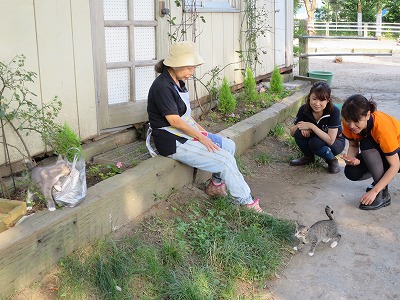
<point>177,135</point>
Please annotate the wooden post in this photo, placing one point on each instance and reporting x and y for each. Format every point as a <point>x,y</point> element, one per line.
<point>327,28</point>
<point>365,29</point>
<point>378,32</point>
<point>359,18</point>
<point>303,45</point>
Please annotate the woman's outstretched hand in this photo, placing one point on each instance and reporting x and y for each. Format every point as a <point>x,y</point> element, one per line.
<point>368,198</point>
<point>352,161</point>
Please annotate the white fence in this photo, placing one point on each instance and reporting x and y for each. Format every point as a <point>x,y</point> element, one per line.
<point>361,30</point>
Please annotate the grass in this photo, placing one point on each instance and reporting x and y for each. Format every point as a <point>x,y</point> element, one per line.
<point>243,168</point>
<point>263,158</point>
<point>204,250</point>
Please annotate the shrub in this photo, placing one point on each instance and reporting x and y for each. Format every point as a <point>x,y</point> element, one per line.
<point>249,87</point>
<point>227,103</point>
<point>276,83</point>
<point>18,110</point>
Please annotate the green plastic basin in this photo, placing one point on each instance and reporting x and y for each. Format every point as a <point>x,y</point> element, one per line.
<point>321,75</point>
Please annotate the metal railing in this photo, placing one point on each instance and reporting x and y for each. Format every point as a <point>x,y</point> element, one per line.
<point>364,29</point>
<point>304,55</point>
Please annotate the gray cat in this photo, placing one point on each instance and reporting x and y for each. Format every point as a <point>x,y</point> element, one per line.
<point>325,231</point>
<point>44,178</point>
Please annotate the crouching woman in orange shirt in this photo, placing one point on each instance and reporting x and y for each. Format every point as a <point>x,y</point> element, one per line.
<point>374,146</point>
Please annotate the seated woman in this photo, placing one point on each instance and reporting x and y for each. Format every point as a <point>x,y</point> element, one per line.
<point>374,149</point>
<point>317,128</point>
<point>178,136</point>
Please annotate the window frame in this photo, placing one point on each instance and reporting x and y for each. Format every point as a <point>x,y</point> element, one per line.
<point>213,6</point>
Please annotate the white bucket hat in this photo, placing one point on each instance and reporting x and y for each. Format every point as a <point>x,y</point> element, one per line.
<point>183,54</point>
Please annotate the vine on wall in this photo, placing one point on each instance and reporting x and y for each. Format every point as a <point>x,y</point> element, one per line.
<point>253,25</point>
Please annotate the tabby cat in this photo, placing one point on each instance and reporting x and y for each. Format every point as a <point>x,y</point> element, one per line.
<point>325,231</point>
<point>44,178</point>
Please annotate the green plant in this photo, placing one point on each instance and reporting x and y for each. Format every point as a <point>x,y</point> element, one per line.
<point>276,83</point>
<point>134,161</point>
<point>263,158</point>
<point>226,103</point>
<point>278,131</point>
<point>156,197</point>
<point>63,140</point>
<point>249,87</point>
<point>296,51</point>
<point>141,150</point>
<point>104,171</point>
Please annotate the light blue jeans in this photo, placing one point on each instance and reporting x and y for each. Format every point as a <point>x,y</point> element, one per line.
<point>221,163</point>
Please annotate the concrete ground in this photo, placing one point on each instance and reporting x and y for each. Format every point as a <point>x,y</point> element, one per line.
<point>366,262</point>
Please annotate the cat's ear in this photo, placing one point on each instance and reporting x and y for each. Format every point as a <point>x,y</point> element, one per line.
<point>59,158</point>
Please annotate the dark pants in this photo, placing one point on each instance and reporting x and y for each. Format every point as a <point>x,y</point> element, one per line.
<point>314,145</point>
<point>372,162</point>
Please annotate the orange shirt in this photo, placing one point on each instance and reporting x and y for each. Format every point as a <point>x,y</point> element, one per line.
<point>383,128</point>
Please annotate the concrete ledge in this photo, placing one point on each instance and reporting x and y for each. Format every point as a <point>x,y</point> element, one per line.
<point>31,248</point>
<point>252,130</point>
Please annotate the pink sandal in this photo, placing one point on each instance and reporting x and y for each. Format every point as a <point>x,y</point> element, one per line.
<point>255,205</point>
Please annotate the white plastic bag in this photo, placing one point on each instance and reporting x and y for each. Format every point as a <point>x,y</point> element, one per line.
<point>70,190</point>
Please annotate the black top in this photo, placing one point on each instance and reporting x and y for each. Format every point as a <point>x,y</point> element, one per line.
<point>163,100</point>
<point>328,120</point>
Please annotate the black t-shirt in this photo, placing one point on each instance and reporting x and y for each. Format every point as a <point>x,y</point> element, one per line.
<point>163,100</point>
<point>328,120</point>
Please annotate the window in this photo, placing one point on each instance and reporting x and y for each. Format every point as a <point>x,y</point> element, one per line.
<point>212,5</point>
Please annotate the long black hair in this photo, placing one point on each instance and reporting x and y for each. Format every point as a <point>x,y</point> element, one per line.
<point>357,106</point>
<point>322,91</point>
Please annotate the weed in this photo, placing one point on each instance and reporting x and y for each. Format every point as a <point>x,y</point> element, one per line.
<point>278,131</point>
<point>141,149</point>
<point>63,141</point>
<point>156,197</point>
<point>104,171</point>
<point>134,161</point>
<point>263,158</point>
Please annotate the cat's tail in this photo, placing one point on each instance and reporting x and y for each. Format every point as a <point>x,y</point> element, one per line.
<point>329,212</point>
